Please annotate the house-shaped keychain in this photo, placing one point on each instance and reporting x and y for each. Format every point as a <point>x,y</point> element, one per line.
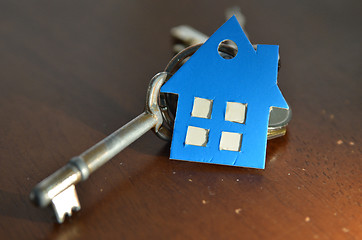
<point>224,104</point>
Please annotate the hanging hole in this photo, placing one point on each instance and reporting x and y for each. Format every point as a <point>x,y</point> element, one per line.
<point>227,49</point>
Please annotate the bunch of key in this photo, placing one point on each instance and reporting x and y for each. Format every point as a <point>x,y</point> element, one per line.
<point>59,188</point>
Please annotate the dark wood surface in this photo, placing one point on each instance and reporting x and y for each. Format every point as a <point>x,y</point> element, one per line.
<point>72,72</point>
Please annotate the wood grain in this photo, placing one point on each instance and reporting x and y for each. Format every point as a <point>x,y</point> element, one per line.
<point>71,72</point>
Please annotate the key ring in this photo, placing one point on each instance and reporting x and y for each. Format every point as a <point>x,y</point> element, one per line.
<point>278,120</point>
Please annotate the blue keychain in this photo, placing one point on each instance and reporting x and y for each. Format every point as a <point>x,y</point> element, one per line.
<point>219,107</point>
<point>224,103</point>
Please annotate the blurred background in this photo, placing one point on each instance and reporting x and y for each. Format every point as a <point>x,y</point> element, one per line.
<point>72,72</point>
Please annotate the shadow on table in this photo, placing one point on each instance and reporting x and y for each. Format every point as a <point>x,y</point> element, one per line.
<point>19,206</point>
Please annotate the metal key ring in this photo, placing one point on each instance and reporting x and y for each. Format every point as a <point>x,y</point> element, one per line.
<point>278,120</point>
<point>168,102</point>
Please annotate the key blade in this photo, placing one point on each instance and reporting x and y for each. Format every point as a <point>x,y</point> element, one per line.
<point>65,202</point>
<point>187,36</point>
<point>235,11</point>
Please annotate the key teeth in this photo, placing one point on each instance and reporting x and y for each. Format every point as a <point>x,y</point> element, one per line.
<point>65,203</point>
<point>60,218</point>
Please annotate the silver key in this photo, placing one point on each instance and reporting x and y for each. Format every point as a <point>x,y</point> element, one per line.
<point>59,188</point>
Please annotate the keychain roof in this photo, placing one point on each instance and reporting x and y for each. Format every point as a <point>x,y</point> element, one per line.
<point>224,104</point>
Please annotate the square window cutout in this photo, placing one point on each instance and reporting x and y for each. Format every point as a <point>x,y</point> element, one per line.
<point>197,136</point>
<point>230,141</point>
<point>202,108</point>
<point>235,112</point>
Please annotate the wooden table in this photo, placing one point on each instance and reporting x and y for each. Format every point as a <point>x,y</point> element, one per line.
<point>71,72</point>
